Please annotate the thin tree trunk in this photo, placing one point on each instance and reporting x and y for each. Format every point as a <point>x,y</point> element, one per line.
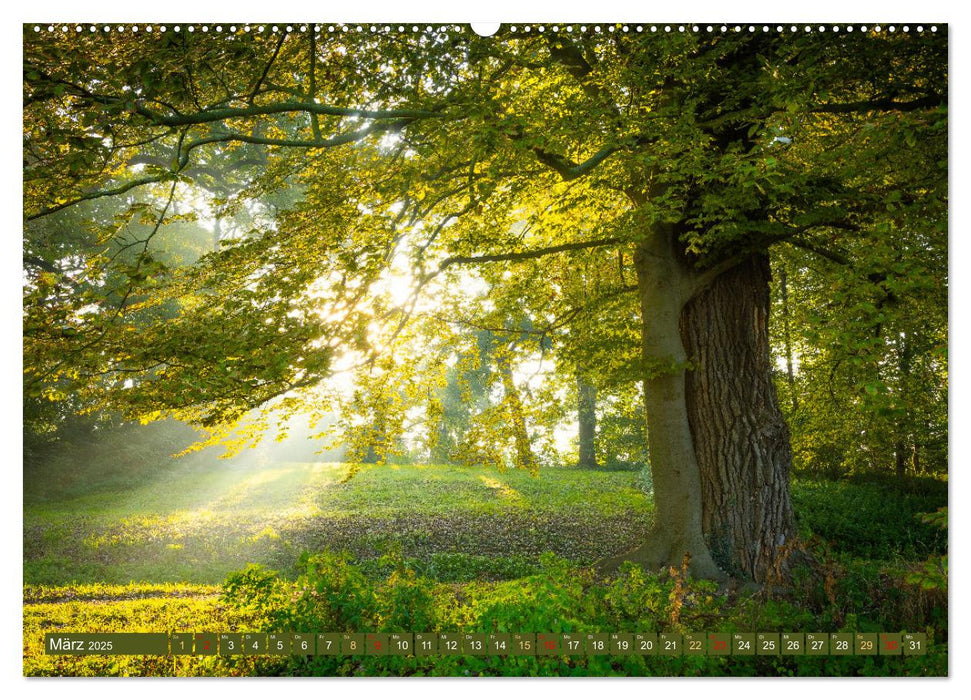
<point>741,439</point>
<point>901,460</point>
<point>787,337</point>
<point>587,419</point>
<point>517,416</point>
<point>379,444</point>
<point>440,453</point>
<point>900,447</point>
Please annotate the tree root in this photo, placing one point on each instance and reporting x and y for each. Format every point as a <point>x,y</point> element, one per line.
<point>659,553</point>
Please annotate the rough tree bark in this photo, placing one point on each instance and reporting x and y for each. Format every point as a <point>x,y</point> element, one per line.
<point>740,437</point>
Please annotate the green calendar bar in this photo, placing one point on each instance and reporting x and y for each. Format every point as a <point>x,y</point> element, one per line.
<point>426,644</point>
<point>205,643</point>
<point>180,644</point>
<point>573,644</point>
<point>523,645</point>
<point>841,644</point>
<point>694,644</point>
<point>597,644</point>
<point>548,644</point>
<point>767,643</point>
<point>302,644</point>
<point>230,644</point>
<point>890,644</point>
<point>719,644</point>
<point>255,643</point>
<point>743,644</point>
<point>866,644</point>
<point>621,644</point>
<point>450,644</point>
<point>914,643</point>
<point>669,644</point>
<point>817,644</point>
<point>792,644</point>
<point>279,643</point>
<point>352,644</point>
<point>329,644</point>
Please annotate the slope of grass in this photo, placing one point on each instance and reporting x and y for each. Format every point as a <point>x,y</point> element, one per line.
<point>197,521</point>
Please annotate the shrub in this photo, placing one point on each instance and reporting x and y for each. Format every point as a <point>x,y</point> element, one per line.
<point>333,594</point>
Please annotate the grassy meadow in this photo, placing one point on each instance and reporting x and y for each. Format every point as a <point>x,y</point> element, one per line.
<point>196,523</point>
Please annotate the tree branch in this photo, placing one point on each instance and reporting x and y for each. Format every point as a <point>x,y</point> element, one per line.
<point>266,70</point>
<point>209,116</point>
<point>569,170</point>
<point>35,261</point>
<point>338,140</point>
<point>312,93</point>
<point>883,105</point>
<point>705,277</point>
<point>526,254</point>
<point>121,189</point>
<point>831,255</point>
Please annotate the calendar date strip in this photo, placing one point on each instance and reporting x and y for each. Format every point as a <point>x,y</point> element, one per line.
<point>482,644</point>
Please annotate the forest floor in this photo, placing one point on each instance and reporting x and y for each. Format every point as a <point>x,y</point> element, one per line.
<point>196,523</point>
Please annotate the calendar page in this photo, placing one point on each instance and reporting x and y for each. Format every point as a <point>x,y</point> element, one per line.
<point>524,349</point>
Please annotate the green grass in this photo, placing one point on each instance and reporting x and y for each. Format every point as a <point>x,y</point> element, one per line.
<point>195,522</point>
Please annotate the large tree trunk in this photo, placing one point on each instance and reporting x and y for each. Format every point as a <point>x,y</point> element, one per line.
<point>720,454</point>
<point>587,419</point>
<point>740,438</point>
<point>662,286</point>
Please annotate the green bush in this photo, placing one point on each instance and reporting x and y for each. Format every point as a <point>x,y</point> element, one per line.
<point>332,594</point>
